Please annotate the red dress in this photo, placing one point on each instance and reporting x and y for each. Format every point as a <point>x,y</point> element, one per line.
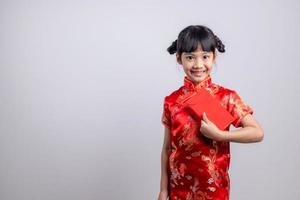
<point>198,166</point>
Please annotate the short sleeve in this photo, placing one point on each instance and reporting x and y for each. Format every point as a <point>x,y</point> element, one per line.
<point>238,108</point>
<point>166,115</point>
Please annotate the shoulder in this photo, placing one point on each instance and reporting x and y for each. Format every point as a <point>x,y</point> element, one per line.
<point>232,98</point>
<point>173,95</point>
<point>226,95</point>
<point>221,90</point>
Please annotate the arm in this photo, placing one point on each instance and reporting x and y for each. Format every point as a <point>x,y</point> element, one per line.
<point>250,132</point>
<point>164,162</point>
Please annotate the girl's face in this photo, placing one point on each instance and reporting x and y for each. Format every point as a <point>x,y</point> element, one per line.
<point>197,65</point>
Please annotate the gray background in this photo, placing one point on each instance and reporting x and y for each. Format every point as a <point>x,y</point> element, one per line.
<point>83,82</point>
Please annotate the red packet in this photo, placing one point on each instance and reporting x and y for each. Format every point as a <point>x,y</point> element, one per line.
<point>203,101</point>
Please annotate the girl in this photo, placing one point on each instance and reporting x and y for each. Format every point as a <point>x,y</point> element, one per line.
<point>191,167</point>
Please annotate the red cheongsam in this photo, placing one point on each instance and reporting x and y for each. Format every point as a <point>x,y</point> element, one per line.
<point>198,166</point>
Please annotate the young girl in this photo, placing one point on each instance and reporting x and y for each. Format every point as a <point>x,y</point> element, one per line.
<point>191,167</point>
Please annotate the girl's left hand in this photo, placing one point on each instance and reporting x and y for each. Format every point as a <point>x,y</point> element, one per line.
<point>209,129</point>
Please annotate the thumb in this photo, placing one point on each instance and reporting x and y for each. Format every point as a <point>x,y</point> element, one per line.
<point>205,117</point>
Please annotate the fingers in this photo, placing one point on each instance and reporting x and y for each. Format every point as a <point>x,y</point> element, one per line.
<point>203,123</point>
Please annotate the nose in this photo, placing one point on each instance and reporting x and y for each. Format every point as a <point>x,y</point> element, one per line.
<point>199,64</point>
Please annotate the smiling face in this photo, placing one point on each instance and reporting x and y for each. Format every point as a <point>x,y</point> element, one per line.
<point>197,65</point>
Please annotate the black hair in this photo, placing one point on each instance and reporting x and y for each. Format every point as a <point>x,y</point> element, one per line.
<point>194,35</point>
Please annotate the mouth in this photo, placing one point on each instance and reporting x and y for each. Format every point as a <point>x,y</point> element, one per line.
<point>198,72</point>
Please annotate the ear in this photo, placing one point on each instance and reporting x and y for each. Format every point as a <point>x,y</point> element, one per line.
<point>178,58</point>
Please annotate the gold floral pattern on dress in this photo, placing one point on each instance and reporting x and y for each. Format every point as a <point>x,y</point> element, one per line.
<point>183,96</point>
<point>177,173</point>
<point>198,170</point>
<point>238,108</point>
<point>196,153</point>
<point>166,116</point>
<point>196,193</point>
<point>211,165</point>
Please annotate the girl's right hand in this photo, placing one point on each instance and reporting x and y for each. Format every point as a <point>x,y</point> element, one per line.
<point>163,195</point>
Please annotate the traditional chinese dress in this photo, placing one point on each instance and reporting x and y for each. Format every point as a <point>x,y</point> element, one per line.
<point>198,166</point>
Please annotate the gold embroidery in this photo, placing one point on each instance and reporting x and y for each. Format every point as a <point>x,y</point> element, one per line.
<point>195,154</point>
<point>197,194</point>
<point>212,170</point>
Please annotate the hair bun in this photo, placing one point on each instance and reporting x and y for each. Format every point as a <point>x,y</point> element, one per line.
<point>220,45</point>
<point>173,48</point>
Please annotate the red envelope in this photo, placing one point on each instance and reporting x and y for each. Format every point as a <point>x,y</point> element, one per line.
<point>203,101</point>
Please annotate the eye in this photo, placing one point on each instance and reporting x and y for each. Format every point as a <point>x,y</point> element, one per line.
<point>189,57</point>
<point>206,56</point>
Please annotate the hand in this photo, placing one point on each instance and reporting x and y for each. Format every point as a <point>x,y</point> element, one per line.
<point>163,195</point>
<point>209,129</point>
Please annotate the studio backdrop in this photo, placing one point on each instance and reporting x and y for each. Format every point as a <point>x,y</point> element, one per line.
<point>82,86</point>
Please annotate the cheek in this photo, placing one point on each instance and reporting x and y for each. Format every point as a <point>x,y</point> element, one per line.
<point>187,66</point>
<point>186,70</point>
<point>209,65</point>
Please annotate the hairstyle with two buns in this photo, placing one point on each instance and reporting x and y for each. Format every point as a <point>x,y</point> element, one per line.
<point>192,36</point>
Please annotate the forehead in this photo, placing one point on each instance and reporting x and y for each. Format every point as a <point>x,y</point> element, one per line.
<point>197,53</point>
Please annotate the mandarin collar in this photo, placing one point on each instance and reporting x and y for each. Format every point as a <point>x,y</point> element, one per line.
<point>196,86</point>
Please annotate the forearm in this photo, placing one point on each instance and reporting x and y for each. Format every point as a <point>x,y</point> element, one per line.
<point>243,135</point>
<point>164,170</point>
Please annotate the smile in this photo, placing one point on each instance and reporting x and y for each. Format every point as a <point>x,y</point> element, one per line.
<point>198,73</point>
